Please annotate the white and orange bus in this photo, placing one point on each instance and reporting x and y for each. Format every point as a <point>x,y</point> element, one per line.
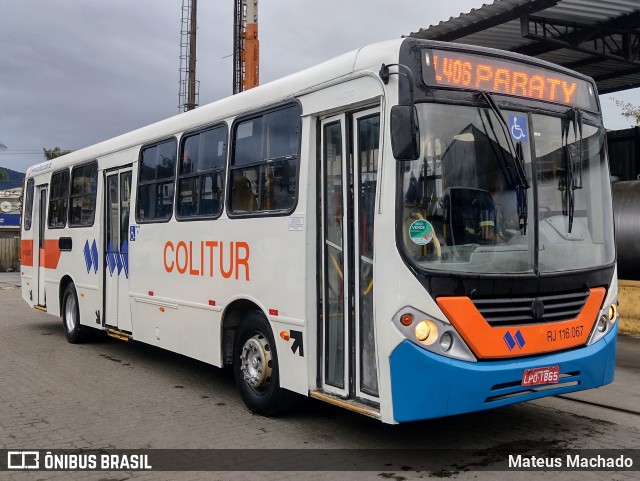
<point>411,230</point>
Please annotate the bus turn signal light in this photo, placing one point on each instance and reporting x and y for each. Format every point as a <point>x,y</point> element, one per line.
<point>284,335</point>
<point>406,319</point>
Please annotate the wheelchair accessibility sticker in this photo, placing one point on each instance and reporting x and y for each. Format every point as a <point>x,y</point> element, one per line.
<point>518,128</point>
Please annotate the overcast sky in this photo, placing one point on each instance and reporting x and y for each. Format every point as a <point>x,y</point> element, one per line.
<point>76,72</point>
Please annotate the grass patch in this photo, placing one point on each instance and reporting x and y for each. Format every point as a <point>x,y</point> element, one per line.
<point>629,307</point>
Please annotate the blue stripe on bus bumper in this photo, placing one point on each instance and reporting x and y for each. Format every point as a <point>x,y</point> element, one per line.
<point>425,385</point>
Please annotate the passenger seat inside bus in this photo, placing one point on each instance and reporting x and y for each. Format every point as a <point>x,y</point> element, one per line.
<point>243,198</point>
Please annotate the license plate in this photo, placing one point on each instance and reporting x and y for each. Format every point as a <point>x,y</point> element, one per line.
<point>541,375</point>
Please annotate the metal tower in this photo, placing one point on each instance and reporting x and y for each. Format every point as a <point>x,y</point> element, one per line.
<point>245,45</point>
<point>188,95</point>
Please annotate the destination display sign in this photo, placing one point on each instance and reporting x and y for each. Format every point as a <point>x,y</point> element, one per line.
<point>508,77</point>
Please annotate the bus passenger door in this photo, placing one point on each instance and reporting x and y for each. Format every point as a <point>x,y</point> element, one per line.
<point>38,266</point>
<point>117,312</point>
<point>335,272</point>
<point>366,142</point>
<point>349,177</point>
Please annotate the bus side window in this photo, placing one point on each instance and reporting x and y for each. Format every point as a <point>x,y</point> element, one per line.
<point>201,173</point>
<point>59,199</point>
<point>28,205</point>
<point>264,164</point>
<point>84,180</point>
<point>155,182</point>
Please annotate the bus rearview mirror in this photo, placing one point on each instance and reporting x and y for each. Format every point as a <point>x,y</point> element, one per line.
<point>404,132</point>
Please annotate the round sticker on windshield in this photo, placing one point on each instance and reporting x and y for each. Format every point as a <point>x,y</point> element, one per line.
<point>421,232</point>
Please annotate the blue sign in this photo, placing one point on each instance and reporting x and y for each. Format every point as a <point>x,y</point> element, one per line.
<point>134,230</point>
<point>518,128</point>
<point>10,220</point>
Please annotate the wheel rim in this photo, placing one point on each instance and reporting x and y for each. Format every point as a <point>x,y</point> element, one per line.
<point>70,313</point>
<point>255,363</point>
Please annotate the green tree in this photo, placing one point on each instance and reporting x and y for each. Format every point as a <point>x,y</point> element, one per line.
<point>629,110</point>
<point>51,154</point>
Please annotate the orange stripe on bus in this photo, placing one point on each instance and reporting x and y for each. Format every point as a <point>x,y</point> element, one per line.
<point>489,342</point>
<point>50,254</point>
<point>26,252</point>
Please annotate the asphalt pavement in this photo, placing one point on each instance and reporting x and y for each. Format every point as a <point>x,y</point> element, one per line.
<point>9,279</point>
<point>108,394</point>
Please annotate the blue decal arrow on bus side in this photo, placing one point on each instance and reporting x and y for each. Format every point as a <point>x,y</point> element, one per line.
<point>91,256</point>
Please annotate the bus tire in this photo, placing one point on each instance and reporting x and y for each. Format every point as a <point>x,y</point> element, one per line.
<point>255,367</point>
<point>71,316</point>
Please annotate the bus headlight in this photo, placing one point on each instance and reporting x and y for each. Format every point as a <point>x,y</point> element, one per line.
<point>426,332</point>
<point>606,319</point>
<point>446,341</point>
<point>431,334</point>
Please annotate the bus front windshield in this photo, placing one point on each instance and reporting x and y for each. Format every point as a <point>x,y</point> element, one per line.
<point>530,194</point>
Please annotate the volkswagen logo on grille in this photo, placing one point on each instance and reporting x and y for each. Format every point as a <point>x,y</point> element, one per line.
<point>537,308</point>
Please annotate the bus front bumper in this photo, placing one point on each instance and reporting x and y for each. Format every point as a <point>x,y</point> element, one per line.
<point>425,385</point>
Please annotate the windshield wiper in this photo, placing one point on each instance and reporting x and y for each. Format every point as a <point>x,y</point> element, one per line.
<point>568,187</point>
<point>577,127</point>
<point>518,161</point>
<point>570,183</point>
<point>516,153</point>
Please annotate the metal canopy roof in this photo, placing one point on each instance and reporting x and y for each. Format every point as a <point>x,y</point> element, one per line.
<point>599,38</point>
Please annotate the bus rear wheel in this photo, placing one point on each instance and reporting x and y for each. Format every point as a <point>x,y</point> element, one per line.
<point>255,367</point>
<point>71,315</point>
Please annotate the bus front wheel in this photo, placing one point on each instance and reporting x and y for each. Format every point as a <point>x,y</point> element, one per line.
<point>255,367</point>
<point>71,315</point>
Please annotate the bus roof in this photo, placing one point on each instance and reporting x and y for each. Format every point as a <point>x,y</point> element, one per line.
<point>370,56</point>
